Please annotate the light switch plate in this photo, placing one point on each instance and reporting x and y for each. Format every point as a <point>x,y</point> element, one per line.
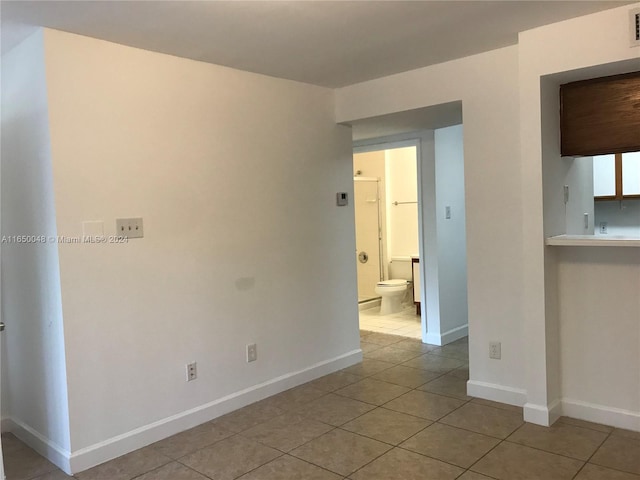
<point>129,227</point>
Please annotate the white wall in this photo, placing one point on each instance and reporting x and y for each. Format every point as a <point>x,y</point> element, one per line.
<point>622,218</point>
<point>452,257</point>
<point>402,186</point>
<point>235,175</point>
<point>549,56</point>
<point>487,85</point>
<point>34,378</point>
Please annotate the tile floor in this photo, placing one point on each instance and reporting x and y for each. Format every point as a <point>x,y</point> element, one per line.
<point>402,413</point>
<point>405,323</point>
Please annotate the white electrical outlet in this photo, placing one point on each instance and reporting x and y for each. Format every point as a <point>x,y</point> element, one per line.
<point>252,352</point>
<point>603,227</point>
<point>192,371</point>
<point>495,350</point>
<point>129,227</point>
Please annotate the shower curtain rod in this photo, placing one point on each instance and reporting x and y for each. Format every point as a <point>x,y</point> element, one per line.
<point>402,203</point>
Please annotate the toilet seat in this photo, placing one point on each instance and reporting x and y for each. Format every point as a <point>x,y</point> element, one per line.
<point>392,283</point>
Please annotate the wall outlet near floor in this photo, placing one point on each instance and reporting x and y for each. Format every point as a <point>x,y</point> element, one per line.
<point>192,371</point>
<point>495,350</point>
<point>603,227</point>
<point>252,352</point>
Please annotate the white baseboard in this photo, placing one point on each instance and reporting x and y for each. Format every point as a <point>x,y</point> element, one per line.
<point>545,415</point>
<point>614,417</point>
<point>369,304</point>
<point>45,447</point>
<point>447,337</point>
<point>114,447</point>
<point>496,393</point>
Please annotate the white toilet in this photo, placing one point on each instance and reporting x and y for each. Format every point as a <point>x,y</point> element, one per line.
<point>392,292</point>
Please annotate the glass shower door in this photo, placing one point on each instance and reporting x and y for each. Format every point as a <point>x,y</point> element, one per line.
<point>368,246</point>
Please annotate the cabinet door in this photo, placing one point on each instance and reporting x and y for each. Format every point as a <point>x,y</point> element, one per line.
<point>631,173</point>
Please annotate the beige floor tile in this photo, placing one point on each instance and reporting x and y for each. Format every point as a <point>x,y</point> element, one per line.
<point>372,391</point>
<point>392,354</point>
<point>249,416</point>
<point>57,475</point>
<point>290,468</point>
<point>501,406</point>
<point>22,463</point>
<point>386,425</point>
<point>424,404</point>
<point>619,453</point>
<point>486,420</point>
<point>335,409</point>
<point>575,442</point>
<point>462,372</point>
<point>469,475</point>
<point>296,397</point>
<point>383,338</point>
<point>461,352</point>
<point>367,347</point>
<point>585,424</point>
<point>399,464</point>
<point>287,431</point>
<point>172,471</point>
<point>11,444</point>
<point>626,433</point>
<point>509,461</point>
<point>368,367</point>
<point>596,472</point>
<point>435,363</point>
<point>191,440</point>
<point>230,458</point>
<point>448,385</point>
<point>341,452</point>
<point>451,445</point>
<point>415,345</point>
<point>126,467</point>
<point>334,381</point>
<point>406,376</point>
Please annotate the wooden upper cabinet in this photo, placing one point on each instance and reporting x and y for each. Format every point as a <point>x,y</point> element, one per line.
<point>600,116</point>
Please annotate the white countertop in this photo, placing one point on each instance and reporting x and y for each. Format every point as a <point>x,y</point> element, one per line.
<point>592,241</point>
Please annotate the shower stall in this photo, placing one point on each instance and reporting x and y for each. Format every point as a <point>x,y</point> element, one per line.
<point>368,236</point>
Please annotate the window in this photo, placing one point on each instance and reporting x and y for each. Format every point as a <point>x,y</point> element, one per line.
<point>616,176</point>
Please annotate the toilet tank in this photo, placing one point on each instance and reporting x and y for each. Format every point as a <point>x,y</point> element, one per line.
<point>400,268</point>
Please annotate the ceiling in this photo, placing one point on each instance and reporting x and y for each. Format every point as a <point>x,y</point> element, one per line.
<point>328,43</point>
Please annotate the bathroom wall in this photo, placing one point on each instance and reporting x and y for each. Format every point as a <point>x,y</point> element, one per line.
<point>402,186</point>
<point>372,164</point>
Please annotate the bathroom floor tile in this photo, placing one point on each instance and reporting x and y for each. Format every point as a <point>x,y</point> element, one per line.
<point>619,453</point>
<point>469,475</point>
<point>575,442</point>
<point>510,461</point>
<point>459,351</point>
<point>596,472</point>
<point>294,398</point>
<point>372,391</point>
<point>55,475</point>
<point>582,423</point>
<point>335,410</point>
<point>448,385</point>
<point>452,445</point>
<point>386,425</point>
<point>126,467</point>
<point>341,452</point>
<point>486,420</point>
<point>400,464</point>
<point>290,468</point>
<point>367,347</point>
<point>230,458</point>
<point>620,432</point>
<point>287,431</point>
<point>406,376</point>
<point>368,367</point>
<point>335,381</point>
<point>435,363</point>
<point>392,354</point>
<point>461,372</point>
<point>501,406</point>
<point>22,463</point>
<point>191,440</point>
<point>415,345</point>
<point>424,404</point>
